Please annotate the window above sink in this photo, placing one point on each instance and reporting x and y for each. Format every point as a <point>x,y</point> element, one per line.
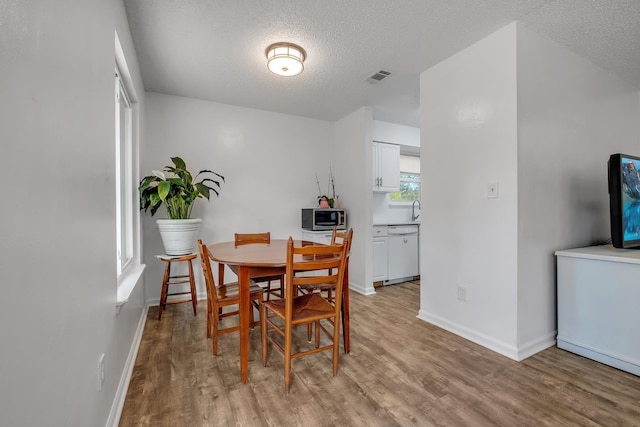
<point>409,181</point>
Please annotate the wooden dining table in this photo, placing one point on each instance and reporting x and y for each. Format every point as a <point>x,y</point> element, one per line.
<point>252,261</point>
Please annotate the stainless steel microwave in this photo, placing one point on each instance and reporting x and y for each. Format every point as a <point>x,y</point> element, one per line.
<point>324,219</point>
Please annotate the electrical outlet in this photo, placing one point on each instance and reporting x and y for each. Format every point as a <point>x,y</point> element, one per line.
<point>462,293</point>
<point>101,371</point>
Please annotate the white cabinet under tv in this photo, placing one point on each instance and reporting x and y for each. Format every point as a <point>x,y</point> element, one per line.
<point>599,305</point>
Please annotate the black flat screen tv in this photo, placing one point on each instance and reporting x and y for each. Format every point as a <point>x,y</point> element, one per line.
<point>624,200</point>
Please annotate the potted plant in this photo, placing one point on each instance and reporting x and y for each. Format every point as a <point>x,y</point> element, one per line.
<point>323,200</point>
<point>176,190</point>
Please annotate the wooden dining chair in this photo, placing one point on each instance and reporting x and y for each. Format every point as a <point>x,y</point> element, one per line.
<point>221,296</point>
<point>248,238</point>
<point>279,317</point>
<point>339,238</point>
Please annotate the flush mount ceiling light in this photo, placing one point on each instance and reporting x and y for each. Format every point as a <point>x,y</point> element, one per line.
<point>285,59</point>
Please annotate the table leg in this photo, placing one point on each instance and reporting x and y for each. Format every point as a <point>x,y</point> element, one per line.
<point>244,307</point>
<point>345,311</point>
<point>221,273</point>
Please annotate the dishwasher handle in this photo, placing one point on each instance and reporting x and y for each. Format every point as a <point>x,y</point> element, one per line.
<point>400,230</point>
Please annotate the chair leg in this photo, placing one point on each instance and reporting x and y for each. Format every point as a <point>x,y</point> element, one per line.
<point>317,333</point>
<point>263,333</point>
<point>268,290</point>
<point>287,356</point>
<point>336,344</point>
<point>192,283</point>
<point>209,317</point>
<point>214,335</point>
<point>309,331</point>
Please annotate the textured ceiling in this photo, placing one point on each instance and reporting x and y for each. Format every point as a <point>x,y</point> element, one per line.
<point>215,49</point>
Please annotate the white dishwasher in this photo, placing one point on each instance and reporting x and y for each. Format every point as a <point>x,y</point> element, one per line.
<point>403,252</point>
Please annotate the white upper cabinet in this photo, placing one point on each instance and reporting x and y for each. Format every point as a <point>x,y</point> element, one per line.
<point>386,167</point>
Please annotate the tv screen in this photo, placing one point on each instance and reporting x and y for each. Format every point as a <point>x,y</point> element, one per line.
<point>624,200</point>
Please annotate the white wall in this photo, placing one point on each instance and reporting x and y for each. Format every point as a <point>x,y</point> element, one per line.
<point>520,110</point>
<point>469,138</point>
<point>269,161</point>
<point>352,146</point>
<point>57,257</point>
<point>571,116</point>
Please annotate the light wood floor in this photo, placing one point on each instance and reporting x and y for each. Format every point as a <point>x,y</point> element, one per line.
<point>401,371</point>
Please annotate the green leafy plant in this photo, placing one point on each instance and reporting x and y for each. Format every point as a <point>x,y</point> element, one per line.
<point>177,190</point>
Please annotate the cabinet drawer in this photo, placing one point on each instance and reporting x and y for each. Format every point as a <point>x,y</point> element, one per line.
<point>379,231</point>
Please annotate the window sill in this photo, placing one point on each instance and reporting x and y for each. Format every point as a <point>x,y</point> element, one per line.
<point>397,203</point>
<point>127,282</point>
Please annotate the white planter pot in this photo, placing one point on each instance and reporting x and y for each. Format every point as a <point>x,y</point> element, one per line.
<point>179,236</point>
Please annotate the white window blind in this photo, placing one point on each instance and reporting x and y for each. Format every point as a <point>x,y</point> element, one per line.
<point>124,184</point>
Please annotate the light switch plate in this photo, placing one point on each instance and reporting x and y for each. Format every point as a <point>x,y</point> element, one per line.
<point>492,190</point>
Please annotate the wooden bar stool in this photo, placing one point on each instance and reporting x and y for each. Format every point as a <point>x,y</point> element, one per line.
<point>176,280</point>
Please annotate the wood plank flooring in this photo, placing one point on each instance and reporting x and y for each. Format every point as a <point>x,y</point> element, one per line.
<point>401,372</point>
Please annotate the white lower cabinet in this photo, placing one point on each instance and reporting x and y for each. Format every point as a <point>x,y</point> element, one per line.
<point>380,253</point>
<point>395,253</point>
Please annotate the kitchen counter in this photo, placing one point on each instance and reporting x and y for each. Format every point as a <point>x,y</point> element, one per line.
<point>408,222</point>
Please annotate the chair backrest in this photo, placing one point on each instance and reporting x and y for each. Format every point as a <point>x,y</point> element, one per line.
<point>206,271</point>
<point>246,238</point>
<point>339,237</point>
<point>326,261</point>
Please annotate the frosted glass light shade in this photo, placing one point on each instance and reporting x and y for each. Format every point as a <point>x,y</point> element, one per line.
<point>285,59</point>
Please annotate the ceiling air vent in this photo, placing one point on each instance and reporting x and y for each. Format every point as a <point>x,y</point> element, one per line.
<point>378,76</point>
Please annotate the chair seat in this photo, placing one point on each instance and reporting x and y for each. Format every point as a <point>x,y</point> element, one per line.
<point>231,291</point>
<point>309,307</point>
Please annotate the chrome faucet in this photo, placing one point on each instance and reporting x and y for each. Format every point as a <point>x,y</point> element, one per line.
<point>415,217</point>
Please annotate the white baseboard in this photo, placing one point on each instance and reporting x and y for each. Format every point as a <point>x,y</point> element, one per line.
<point>364,290</point>
<point>600,355</point>
<point>518,353</point>
<point>491,343</point>
<point>532,347</point>
<point>123,385</point>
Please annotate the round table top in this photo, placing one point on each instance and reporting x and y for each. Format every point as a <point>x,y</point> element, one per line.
<point>272,254</point>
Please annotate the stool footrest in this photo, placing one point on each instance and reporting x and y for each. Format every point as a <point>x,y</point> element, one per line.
<point>179,293</point>
<point>176,301</point>
<point>177,282</point>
